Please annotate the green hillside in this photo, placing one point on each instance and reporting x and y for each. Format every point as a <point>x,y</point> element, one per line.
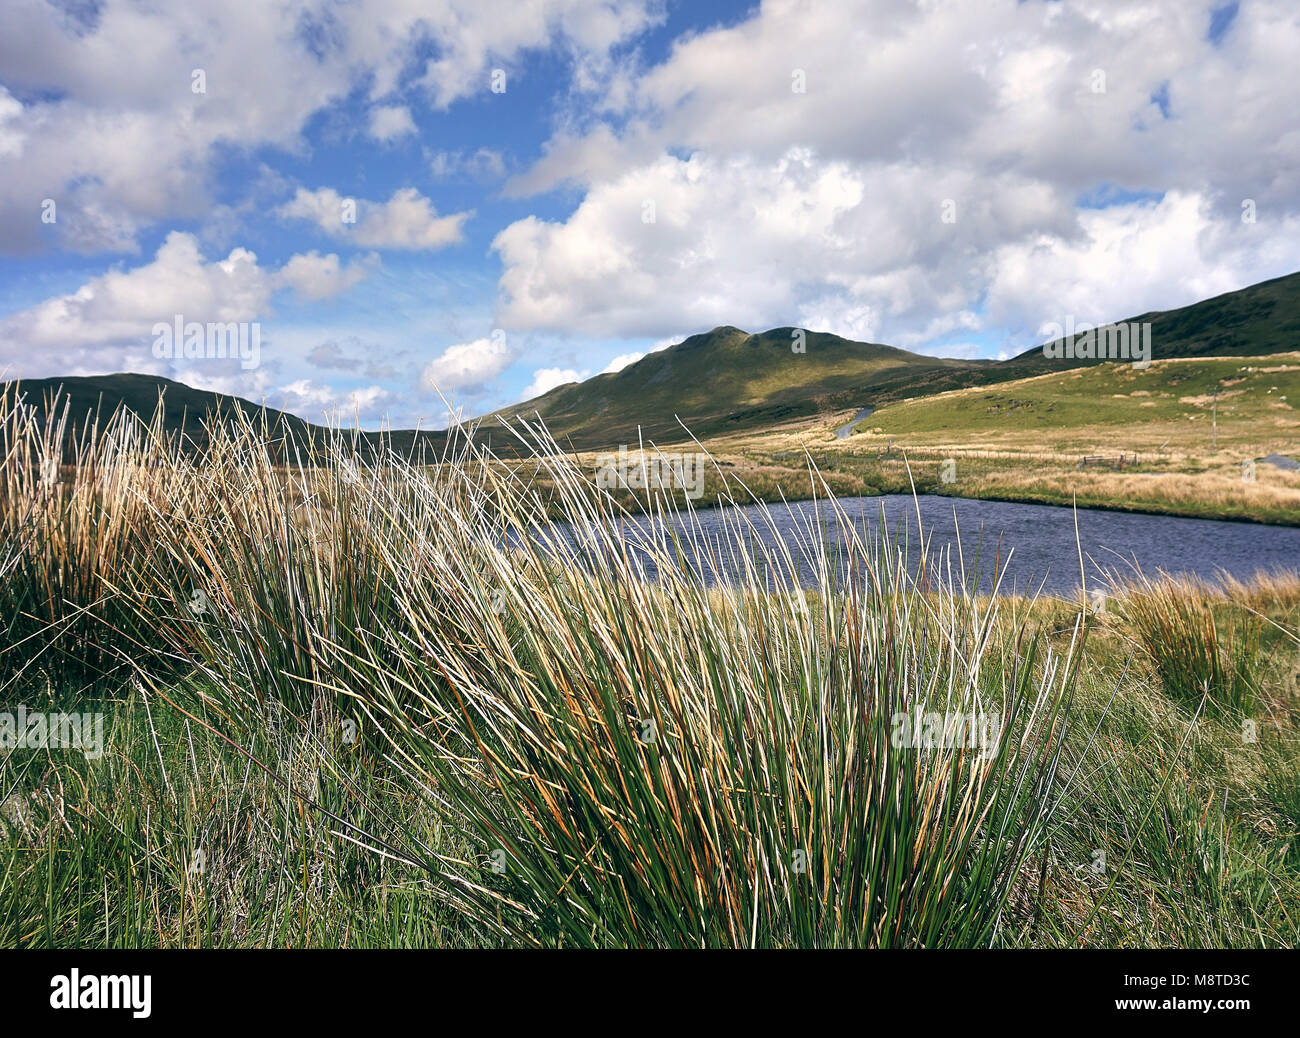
<point>1171,401</point>
<point>1250,322</point>
<point>102,395</point>
<point>93,399</point>
<point>728,380</point>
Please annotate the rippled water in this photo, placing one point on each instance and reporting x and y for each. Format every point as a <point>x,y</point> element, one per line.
<point>1036,543</point>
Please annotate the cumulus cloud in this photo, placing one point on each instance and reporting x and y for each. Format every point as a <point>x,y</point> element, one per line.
<point>481,164</point>
<point>105,325</point>
<point>897,172</point>
<point>707,240</point>
<point>467,366</point>
<point>620,362</point>
<point>316,277</point>
<point>406,221</point>
<point>546,379</point>
<point>389,122</point>
<point>1171,253</point>
<point>11,136</point>
<point>316,401</point>
<point>138,139</point>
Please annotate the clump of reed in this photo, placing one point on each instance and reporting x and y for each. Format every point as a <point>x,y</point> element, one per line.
<point>1199,654</point>
<point>646,734</point>
<point>496,705</point>
<point>77,526</point>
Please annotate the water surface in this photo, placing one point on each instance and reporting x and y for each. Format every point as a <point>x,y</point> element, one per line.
<point>1035,545</point>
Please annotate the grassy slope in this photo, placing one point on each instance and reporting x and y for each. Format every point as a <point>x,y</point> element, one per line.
<point>1130,409</point>
<point>727,381</point>
<point>185,409</point>
<point>1250,322</point>
<point>101,395</point>
<point>1023,440</point>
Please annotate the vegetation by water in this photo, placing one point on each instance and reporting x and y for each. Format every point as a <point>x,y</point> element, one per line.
<point>1182,437</point>
<point>369,703</point>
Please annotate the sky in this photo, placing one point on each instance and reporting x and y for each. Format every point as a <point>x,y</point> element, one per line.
<point>422,209</point>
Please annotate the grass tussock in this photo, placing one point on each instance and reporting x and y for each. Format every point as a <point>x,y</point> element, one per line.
<point>463,702</point>
<point>1197,654</point>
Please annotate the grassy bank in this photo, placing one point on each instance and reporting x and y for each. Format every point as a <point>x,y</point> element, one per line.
<point>1181,437</point>
<point>364,704</point>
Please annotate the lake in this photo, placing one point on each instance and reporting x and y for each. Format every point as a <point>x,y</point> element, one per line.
<point>1036,543</point>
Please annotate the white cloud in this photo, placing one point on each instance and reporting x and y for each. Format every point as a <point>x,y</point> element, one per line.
<point>824,208</point>
<point>467,366</point>
<point>118,124</point>
<point>1171,253</point>
<point>389,122</point>
<point>406,221</point>
<point>105,325</point>
<point>621,361</point>
<point>11,135</point>
<point>832,315</point>
<point>546,379</point>
<point>482,164</point>
<point>473,37</point>
<point>727,245</point>
<point>797,241</point>
<point>322,403</point>
<point>316,277</point>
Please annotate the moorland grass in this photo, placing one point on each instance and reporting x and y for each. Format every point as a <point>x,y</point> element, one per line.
<point>372,703</point>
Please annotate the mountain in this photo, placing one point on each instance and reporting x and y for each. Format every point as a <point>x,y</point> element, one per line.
<point>1250,322</point>
<point>101,395</point>
<point>728,380</point>
<point>95,398</point>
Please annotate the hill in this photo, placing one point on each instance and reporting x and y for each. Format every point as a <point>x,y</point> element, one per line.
<point>1251,322</point>
<point>729,381</point>
<point>187,412</point>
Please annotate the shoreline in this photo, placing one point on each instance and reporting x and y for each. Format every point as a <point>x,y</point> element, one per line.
<point>1021,499</point>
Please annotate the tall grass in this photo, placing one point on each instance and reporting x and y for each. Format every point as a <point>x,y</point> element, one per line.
<point>174,839</point>
<point>489,703</point>
<point>693,759</point>
<point>1196,653</point>
<point>77,526</point>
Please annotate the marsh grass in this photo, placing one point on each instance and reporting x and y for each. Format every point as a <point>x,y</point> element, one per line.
<point>399,703</point>
<point>1197,651</point>
<point>174,839</point>
<point>681,761</point>
<point>74,522</point>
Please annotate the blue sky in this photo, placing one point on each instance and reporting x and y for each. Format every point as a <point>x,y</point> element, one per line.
<point>940,177</point>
